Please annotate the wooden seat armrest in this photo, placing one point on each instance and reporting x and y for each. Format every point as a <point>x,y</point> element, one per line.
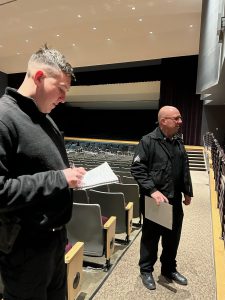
<point>78,247</point>
<point>110,229</point>
<point>74,261</point>
<point>129,213</point>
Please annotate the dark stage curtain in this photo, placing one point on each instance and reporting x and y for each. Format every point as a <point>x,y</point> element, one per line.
<point>178,88</point>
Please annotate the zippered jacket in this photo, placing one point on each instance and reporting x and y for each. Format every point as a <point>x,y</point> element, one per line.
<point>33,187</point>
<point>152,166</point>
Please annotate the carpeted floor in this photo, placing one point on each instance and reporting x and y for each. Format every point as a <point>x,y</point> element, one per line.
<point>195,258</point>
<point>94,275</point>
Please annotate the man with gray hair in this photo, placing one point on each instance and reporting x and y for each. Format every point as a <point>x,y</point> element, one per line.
<point>160,167</point>
<point>35,182</point>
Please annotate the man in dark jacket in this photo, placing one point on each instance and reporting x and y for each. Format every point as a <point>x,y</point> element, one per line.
<point>35,182</point>
<point>160,167</point>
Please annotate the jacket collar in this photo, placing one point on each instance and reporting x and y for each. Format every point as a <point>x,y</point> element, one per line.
<point>157,134</point>
<point>25,103</point>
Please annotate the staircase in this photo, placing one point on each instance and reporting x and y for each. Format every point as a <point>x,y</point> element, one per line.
<point>196,159</point>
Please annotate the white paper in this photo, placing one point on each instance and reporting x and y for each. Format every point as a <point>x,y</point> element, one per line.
<point>161,214</point>
<point>100,175</point>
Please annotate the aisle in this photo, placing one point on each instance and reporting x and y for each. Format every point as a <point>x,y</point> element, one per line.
<point>195,258</point>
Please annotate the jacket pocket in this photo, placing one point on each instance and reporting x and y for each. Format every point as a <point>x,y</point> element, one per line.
<point>159,174</point>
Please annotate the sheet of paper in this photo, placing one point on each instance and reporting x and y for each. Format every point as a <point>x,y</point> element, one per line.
<point>100,175</point>
<point>161,214</point>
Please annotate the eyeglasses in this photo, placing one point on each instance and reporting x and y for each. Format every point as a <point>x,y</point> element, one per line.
<point>176,119</point>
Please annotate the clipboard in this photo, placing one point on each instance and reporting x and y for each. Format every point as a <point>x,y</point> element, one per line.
<point>161,214</point>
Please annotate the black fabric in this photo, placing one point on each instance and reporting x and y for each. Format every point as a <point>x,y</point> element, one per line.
<point>161,165</point>
<point>34,191</point>
<point>151,233</point>
<point>176,156</point>
<point>32,155</point>
<point>152,166</point>
<point>36,270</point>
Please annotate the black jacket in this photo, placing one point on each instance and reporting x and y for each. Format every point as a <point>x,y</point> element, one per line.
<point>32,154</point>
<point>152,166</point>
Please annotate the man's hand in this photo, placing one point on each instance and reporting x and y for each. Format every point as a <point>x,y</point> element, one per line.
<point>159,197</point>
<point>74,176</point>
<point>187,200</point>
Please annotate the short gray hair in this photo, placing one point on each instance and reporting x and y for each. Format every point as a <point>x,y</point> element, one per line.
<point>51,58</point>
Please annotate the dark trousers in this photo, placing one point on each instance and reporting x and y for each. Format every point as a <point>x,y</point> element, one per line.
<point>151,233</point>
<point>35,269</point>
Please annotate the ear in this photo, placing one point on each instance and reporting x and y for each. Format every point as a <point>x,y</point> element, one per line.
<point>163,121</point>
<point>38,76</point>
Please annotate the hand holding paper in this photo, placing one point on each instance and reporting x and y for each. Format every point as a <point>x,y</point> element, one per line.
<point>100,175</point>
<point>161,214</point>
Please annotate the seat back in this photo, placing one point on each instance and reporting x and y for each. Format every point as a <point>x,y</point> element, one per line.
<point>86,226</point>
<point>112,204</point>
<point>131,194</point>
<point>128,180</point>
<point>79,196</point>
<point>102,188</point>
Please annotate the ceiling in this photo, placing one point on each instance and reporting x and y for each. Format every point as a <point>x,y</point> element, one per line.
<point>98,32</point>
<point>136,95</point>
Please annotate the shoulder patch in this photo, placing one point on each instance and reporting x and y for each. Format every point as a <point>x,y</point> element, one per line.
<point>137,159</point>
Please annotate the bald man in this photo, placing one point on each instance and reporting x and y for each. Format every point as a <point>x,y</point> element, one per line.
<point>160,167</point>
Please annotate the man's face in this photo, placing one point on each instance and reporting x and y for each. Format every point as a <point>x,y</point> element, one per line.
<point>51,91</point>
<point>172,122</point>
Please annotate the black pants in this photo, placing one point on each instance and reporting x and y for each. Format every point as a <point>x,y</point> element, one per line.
<point>151,233</point>
<point>35,269</point>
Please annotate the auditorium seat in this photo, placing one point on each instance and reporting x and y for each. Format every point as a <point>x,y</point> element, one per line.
<point>79,196</point>
<point>114,204</point>
<point>86,225</point>
<point>131,194</point>
<point>74,262</point>
<point>128,180</point>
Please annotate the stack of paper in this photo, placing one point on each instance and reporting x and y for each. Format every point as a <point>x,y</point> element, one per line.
<point>100,175</point>
<point>161,214</point>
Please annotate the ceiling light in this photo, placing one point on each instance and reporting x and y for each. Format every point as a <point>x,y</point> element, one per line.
<point>94,28</point>
<point>18,53</point>
<point>73,44</point>
<point>57,35</point>
<point>151,32</point>
<point>79,16</point>
<point>133,8</point>
<point>108,39</point>
<point>191,26</point>
<point>26,41</point>
<point>140,20</point>
<point>30,26</point>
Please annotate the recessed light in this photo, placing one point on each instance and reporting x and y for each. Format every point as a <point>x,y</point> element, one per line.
<point>73,44</point>
<point>140,20</point>
<point>94,28</point>
<point>191,26</point>
<point>108,39</point>
<point>79,16</point>
<point>30,26</point>
<point>57,35</point>
<point>133,8</point>
<point>151,32</point>
<point>26,41</point>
